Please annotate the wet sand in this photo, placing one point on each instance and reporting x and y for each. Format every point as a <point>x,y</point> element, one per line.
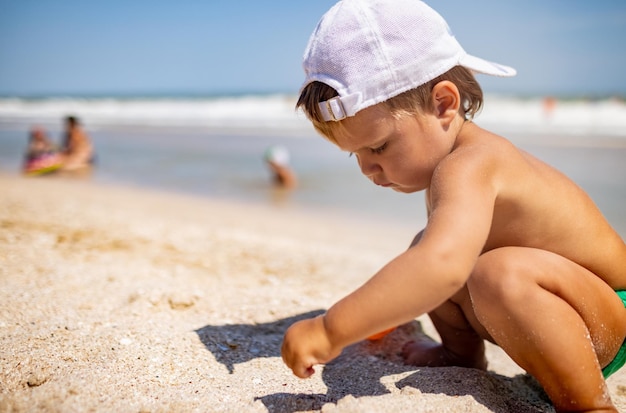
<point>122,300</point>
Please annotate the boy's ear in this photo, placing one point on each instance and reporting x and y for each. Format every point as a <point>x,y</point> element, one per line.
<point>446,100</point>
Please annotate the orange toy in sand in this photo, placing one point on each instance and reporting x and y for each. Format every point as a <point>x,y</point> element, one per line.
<point>380,335</point>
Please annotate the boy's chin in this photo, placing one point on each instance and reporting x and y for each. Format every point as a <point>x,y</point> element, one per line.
<point>404,190</point>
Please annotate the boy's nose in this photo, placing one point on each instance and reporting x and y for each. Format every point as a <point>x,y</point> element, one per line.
<point>369,168</point>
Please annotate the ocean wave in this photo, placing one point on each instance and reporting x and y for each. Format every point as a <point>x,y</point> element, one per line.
<point>565,117</point>
<point>575,117</point>
<point>275,111</point>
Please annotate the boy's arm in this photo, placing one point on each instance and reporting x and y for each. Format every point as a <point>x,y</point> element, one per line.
<point>414,283</point>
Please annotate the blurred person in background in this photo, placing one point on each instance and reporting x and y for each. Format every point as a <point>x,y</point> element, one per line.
<point>41,155</point>
<point>277,159</point>
<point>77,151</point>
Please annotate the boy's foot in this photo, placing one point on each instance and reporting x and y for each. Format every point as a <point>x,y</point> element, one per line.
<point>425,352</point>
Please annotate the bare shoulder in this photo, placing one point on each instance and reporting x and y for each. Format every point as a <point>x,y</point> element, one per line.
<point>479,158</point>
<point>534,205</point>
<point>537,206</point>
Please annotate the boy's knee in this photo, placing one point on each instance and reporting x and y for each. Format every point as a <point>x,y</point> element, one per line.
<point>499,276</point>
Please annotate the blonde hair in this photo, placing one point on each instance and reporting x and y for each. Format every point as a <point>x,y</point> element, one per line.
<point>412,102</point>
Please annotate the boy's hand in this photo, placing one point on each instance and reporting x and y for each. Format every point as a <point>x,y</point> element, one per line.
<point>306,343</point>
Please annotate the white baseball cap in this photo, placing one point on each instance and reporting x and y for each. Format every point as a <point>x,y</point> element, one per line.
<point>372,50</point>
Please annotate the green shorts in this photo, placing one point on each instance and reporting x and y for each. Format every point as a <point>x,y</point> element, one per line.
<point>620,358</point>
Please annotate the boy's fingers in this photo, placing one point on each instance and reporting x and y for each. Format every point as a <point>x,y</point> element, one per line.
<point>303,372</point>
<point>299,369</point>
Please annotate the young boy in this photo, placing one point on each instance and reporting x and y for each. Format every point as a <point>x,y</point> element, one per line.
<point>513,251</point>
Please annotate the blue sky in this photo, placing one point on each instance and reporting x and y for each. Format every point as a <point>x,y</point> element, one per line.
<point>224,46</point>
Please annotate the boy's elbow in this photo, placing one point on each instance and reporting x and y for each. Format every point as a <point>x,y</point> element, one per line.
<point>458,264</point>
<point>457,280</point>
<point>453,275</point>
<point>449,268</point>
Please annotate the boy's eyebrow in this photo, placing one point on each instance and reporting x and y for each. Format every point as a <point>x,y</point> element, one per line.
<point>377,142</point>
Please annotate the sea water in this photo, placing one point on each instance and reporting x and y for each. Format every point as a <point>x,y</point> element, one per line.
<point>213,147</point>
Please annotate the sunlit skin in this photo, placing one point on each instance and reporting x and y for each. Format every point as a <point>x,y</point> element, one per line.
<point>283,175</point>
<point>513,252</point>
<point>78,150</point>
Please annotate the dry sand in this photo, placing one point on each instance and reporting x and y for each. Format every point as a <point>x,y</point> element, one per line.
<point>119,300</point>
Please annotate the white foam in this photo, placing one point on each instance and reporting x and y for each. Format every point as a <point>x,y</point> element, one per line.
<point>576,117</point>
<point>275,111</point>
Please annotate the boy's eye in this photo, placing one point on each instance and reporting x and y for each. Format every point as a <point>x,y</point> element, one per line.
<point>380,149</point>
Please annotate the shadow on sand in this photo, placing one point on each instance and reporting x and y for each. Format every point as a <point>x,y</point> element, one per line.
<point>363,369</point>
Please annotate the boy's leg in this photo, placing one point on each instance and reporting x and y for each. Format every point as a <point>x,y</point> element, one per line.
<point>461,335</point>
<point>556,319</point>
<point>460,332</point>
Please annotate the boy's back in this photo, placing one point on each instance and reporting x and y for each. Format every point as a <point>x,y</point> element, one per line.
<point>536,206</point>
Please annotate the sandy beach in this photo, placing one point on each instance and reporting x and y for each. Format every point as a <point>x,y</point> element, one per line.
<point>122,300</point>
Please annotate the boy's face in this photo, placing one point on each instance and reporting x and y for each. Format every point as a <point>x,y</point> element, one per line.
<point>398,153</point>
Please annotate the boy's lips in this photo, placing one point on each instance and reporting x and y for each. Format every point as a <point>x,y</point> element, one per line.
<point>378,182</point>
<point>386,185</point>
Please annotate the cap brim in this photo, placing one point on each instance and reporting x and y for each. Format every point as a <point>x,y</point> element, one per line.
<point>489,68</point>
